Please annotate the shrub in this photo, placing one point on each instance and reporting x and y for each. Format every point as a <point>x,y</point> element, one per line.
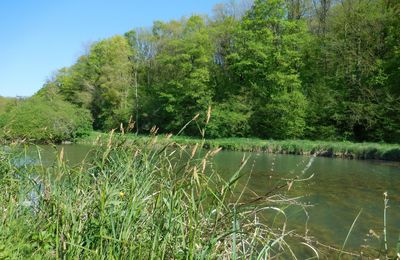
<point>45,119</point>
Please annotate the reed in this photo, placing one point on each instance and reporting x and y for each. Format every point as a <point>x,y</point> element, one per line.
<point>148,197</point>
<point>151,201</point>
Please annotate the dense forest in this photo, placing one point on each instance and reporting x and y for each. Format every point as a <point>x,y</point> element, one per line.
<point>313,69</point>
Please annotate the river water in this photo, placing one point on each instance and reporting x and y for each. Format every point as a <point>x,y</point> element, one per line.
<point>337,192</point>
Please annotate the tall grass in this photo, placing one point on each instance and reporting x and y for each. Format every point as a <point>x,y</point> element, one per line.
<point>147,199</point>
<point>151,201</point>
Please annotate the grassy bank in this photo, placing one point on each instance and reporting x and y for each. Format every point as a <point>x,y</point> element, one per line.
<point>136,202</point>
<point>145,198</point>
<point>376,151</point>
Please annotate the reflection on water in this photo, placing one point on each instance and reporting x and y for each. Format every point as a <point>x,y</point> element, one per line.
<point>338,191</point>
<point>73,154</point>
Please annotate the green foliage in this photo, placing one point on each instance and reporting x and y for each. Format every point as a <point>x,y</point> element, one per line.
<point>181,87</point>
<point>111,98</point>
<point>6,103</point>
<point>267,59</point>
<point>102,82</point>
<point>348,66</point>
<point>45,118</point>
<point>75,83</point>
<point>129,201</point>
<point>283,117</point>
<point>271,69</point>
<point>229,119</point>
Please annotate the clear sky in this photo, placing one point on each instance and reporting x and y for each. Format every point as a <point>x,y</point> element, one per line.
<point>37,37</point>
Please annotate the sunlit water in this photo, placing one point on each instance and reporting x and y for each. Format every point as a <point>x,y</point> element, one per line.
<point>337,192</point>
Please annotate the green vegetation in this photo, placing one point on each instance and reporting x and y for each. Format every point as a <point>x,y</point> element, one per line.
<point>378,151</point>
<point>147,200</point>
<point>5,103</point>
<point>276,69</point>
<point>319,70</point>
<point>279,69</point>
<point>130,201</point>
<point>44,118</point>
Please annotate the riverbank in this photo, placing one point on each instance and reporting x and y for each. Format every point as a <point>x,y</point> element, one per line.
<point>349,150</point>
<point>129,202</point>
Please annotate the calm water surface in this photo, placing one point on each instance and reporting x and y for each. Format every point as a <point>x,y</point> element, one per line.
<point>339,189</point>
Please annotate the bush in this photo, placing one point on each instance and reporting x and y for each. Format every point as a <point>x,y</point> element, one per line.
<point>45,119</point>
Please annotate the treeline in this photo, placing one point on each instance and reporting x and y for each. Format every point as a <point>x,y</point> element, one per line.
<point>316,69</point>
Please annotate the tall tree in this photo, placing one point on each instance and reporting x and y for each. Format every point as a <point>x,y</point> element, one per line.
<point>326,69</point>
<point>111,103</point>
<point>181,83</point>
<point>267,62</point>
<point>355,48</point>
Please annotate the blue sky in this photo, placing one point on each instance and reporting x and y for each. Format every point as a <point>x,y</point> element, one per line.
<point>40,36</point>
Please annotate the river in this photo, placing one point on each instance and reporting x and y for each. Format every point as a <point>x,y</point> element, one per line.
<point>337,192</point>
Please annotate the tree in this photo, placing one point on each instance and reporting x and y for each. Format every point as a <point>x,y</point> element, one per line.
<point>112,82</point>
<point>319,69</point>
<point>266,62</point>
<point>355,48</point>
<point>181,84</point>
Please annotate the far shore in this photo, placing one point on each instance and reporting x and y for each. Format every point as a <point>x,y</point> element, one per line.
<point>340,149</point>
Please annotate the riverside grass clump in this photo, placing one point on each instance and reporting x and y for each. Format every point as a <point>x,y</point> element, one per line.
<point>146,201</point>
